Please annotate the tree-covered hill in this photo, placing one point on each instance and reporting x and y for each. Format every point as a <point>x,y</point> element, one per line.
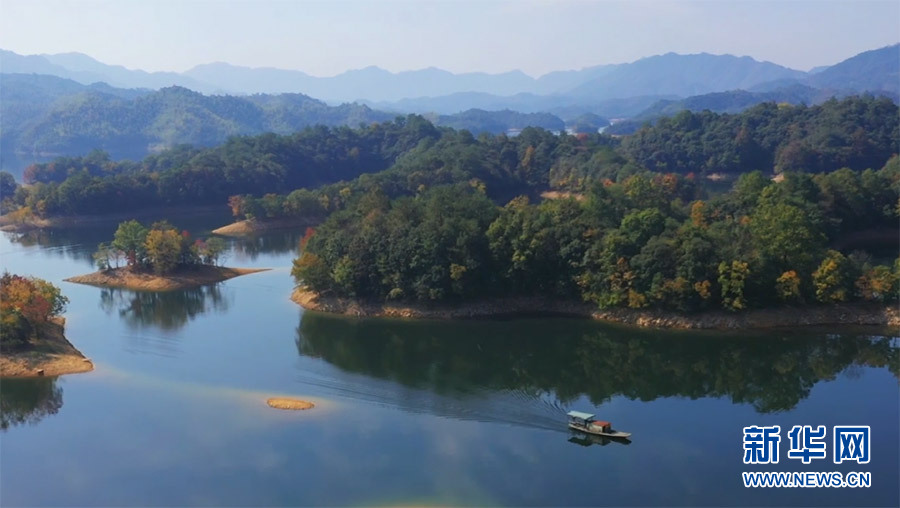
<point>857,132</point>
<point>647,241</point>
<point>496,122</point>
<point>46,114</point>
<point>410,154</point>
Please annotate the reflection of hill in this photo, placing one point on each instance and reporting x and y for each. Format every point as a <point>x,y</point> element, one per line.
<point>65,243</point>
<point>28,401</point>
<point>169,310</point>
<point>277,242</point>
<point>570,359</point>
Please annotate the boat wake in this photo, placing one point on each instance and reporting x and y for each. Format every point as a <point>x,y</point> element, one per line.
<point>538,410</point>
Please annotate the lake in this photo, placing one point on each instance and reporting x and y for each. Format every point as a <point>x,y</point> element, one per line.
<point>413,413</point>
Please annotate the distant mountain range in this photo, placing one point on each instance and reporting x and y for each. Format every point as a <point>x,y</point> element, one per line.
<point>70,103</point>
<point>670,75</point>
<point>42,114</point>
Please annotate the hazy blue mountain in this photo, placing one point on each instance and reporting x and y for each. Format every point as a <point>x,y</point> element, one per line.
<point>560,82</point>
<point>683,75</point>
<point>670,75</point>
<point>246,80</point>
<point>371,83</point>
<point>563,106</point>
<point>47,114</point>
<point>86,70</point>
<point>874,70</point>
<point>587,123</point>
<point>735,101</point>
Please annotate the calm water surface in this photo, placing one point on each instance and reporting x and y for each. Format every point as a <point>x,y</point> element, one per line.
<point>463,413</point>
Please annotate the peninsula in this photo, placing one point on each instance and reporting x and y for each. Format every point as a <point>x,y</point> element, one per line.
<point>256,226</point>
<point>31,330</point>
<point>48,353</point>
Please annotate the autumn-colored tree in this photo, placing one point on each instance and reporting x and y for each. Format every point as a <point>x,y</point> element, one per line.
<point>698,214</point>
<point>877,285</point>
<point>236,203</point>
<point>306,237</point>
<point>787,286</point>
<point>163,249</point>
<point>832,278</point>
<point>25,304</point>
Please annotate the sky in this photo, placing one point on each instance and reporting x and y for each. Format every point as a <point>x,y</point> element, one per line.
<point>326,38</point>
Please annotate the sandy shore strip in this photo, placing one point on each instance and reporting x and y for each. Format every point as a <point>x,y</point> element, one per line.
<point>125,278</point>
<point>51,354</point>
<point>837,314</point>
<point>252,227</point>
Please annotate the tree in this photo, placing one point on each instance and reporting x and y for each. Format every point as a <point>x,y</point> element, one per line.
<point>26,303</point>
<point>309,269</point>
<point>877,284</point>
<point>103,255</point>
<point>832,278</point>
<point>732,278</point>
<point>130,238</point>
<point>212,248</point>
<point>163,249</point>
<point>787,286</point>
<point>787,235</point>
<point>8,185</point>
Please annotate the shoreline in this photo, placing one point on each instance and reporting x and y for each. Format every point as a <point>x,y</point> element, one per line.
<point>123,278</point>
<point>837,314</point>
<point>248,227</point>
<point>8,225</point>
<point>51,355</point>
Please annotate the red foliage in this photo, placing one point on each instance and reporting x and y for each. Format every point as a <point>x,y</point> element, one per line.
<point>309,234</point>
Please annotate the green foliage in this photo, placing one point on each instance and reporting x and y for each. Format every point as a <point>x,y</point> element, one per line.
<point>8,185</point>
<point>408,154</point>
<point>636,243</point>
<point>732,277</point>
<point>786,235</point>
<point>211,250</point>
<point>130,238</point>
<point>856,132</point>
<point>161,248</point>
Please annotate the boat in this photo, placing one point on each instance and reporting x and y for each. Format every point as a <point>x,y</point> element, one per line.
<point>585,422</point>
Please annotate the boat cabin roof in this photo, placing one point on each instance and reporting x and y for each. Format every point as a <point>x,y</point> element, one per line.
<point>580,415</point>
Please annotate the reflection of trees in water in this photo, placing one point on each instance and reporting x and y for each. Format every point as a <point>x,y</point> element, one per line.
<point>169,310</point>
<point>281,242</point>
<point>570,359</point>
<point>28,400</point>
<point>61,242</point>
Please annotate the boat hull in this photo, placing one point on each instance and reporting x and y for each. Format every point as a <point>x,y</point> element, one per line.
<point>597,432</point>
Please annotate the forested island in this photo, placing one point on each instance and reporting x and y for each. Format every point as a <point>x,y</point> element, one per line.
<point>159,258</point>
<point>31,330</point>
<point>678,217</point>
